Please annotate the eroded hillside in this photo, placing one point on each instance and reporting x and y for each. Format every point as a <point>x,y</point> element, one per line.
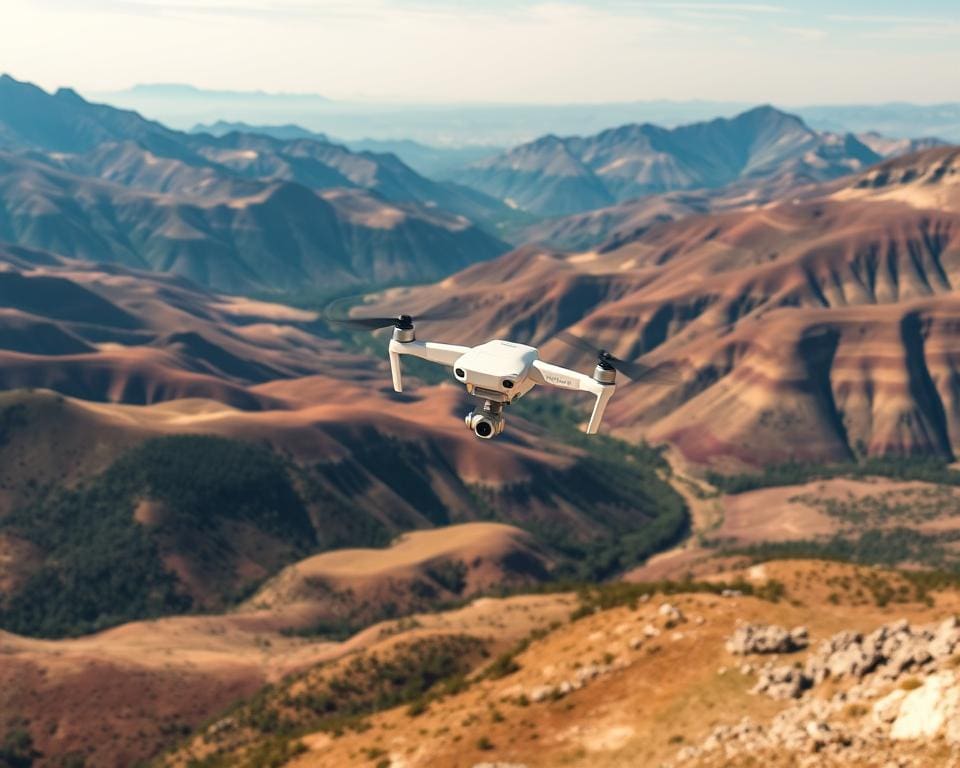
<point>827,318</point>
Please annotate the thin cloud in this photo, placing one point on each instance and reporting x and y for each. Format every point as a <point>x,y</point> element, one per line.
<point>765,8</point>
<point>867,19</point>
<point>803,33</point>
<point>713,16</point>
<point>900,27</point>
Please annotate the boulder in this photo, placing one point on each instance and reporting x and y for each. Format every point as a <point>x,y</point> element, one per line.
<point>925,711</point>
<point>887,709</point>
<point>784,682</point>
<point>671,615</point>
<point>767,638</point>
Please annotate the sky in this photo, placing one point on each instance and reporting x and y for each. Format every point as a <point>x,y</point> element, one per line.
<point>536,51</point>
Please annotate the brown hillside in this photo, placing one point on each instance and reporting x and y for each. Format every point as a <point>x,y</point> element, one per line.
<point>831,316</point>
<point>642,682</point>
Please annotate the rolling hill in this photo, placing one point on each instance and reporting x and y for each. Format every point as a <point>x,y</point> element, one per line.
<point>139,408</point>
<point>105,333</point>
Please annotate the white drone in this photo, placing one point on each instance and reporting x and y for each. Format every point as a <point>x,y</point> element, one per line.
<point>499,372</point>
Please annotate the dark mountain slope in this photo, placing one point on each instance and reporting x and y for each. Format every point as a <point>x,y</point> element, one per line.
<point>237,212</point>
<point>278,236</point>
<point>64,122</point>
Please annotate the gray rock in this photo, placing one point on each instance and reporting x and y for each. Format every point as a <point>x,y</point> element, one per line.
<point>784,682</point>
<point>767,638</point>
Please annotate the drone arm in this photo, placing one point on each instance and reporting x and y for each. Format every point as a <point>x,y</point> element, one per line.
<point>603,394</point>
<point>555,375</point>
<point>432,351</point>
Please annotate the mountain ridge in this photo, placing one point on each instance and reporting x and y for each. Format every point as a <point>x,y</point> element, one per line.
<point>555,175</point>
<point>240,212</point>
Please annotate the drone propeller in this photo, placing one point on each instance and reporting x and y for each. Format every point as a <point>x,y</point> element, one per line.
<point>334,313</point>
<point>631,369</point>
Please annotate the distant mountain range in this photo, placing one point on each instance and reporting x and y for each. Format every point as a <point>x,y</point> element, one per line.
<point>555,176</point>
<point>239,212</point>
<point>433,161</point>
<point>281,208</point>
<point>501,124</point>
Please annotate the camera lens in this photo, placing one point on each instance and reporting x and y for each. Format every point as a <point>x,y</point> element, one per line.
<point>484,428</point>
<point>507,384</point>
<point>458,372</point>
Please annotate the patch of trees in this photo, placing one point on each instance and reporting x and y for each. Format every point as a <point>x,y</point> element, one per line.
<point>16,750</point>
<point>622,491</point>
<point>928,469</point>
<point>101,567</point>
<point>449,573</point>
<point>11,418</point>
<point>603,597</point>
<point>335,698</point>
<point>886,547</point>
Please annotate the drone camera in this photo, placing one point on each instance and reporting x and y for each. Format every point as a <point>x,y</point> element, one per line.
<point>485,425</point>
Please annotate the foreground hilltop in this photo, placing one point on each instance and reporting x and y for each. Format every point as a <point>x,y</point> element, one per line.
<point>690,676</point>
<point>797,662</point>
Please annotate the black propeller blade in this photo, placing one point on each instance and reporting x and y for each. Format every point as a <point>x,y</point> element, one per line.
<point>337,312</point>
<point>631,369</point>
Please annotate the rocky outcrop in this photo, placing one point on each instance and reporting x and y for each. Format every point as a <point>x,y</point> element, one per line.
<point>887,652</point>
<point>904,686</point>
<point>767,638</point>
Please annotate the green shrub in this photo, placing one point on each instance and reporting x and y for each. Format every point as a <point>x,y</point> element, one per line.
<point>929,469</point>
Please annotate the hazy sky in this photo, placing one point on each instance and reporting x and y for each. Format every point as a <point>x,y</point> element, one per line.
<point>790,52</point>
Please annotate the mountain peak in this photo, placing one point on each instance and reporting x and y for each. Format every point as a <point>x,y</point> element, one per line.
<point>767,113</point>
<point>68,94</point>
<point>547,140</point>
<point>636,160</point>
<point>10,83</point>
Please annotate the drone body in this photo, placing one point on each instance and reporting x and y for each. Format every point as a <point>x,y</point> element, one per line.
<point>499,372</point>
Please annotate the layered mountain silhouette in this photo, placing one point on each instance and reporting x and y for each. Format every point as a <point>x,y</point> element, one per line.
<point>555,176</point>
<point>241,212</point>
<point>433,161</point>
